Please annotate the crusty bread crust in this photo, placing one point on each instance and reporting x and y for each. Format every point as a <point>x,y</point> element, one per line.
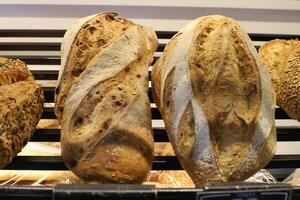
<point>216,101</point>
<point>21,106</point>
<point>282,58</point>
<point>106,121</point>
<point>82,41</point>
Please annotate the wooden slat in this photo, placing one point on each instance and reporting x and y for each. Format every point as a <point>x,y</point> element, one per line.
<point>47,48</point>
<point>49,113</point>
<point>31,33</point>
<point>45,75</point>
<point>160,34</point>
<point>43,46</point>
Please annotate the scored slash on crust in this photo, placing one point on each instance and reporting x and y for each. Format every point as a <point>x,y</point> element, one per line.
<point>202,157</point>
<point>183,96</point>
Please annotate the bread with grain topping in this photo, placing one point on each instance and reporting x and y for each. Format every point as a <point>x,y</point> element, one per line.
<point>21,106</point>
<point>282,58</point>
<point>102,99</point>
<point>216,100</point>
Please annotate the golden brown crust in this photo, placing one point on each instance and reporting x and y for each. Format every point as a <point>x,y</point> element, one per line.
<point>89,41</point>
<point>170,179</point>
<point>226,83</point>
<point>106,123</point>
<point>21,105</point>
<point>214,95</point>
<point>282,58</point>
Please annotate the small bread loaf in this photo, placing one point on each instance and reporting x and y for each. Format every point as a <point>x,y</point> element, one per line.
<point>282,58</point>
<point>102,100</point>
<point>21,106</point>
<point>170,179</point>
<point>216,101</point>
<point>37,178</point>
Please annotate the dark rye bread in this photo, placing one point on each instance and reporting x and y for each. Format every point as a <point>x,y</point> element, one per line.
<point>216,101</point>
<point>106,122</point>
<point>282,58</point>
<point>21,106</point>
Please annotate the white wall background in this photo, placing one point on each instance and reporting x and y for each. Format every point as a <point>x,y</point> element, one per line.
<point>270,16</point>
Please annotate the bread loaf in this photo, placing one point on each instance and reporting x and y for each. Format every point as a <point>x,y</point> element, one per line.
<point>37,178</point>
<point>21,106</point>
<point>106,133</point>
<point>170,179</point>
<point>216,101</point>
<point>282,58</point>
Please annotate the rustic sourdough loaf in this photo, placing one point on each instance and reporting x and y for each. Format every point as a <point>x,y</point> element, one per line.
<point>21,106</point>
<point>102,101</point>
<point>282,58</point>
<point>216,101</point>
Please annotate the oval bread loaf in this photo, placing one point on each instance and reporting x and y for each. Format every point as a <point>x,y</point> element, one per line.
<point>21,106</point>
<point>102,99</point>
<point>282,58</point>
<point>216,101</point>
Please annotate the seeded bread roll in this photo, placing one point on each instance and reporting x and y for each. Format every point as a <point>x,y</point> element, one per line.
<point>106,133</point>
<point>282,58</point>
<point>21,106</point>
<point>216,101</point>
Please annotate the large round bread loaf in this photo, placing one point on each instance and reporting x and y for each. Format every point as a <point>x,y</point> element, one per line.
<point>21,106</point>
<point>282,58</point>
<point>102,100</point>
<point>216,101</point>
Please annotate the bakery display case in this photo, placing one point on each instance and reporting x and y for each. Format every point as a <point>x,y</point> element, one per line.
<point>15,182</point>
<point>280,165</point>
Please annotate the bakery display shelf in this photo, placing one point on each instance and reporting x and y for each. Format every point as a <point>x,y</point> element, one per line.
<point>159,163</point>
<point>46,46</point>
<point>43,60</point>
<point>30,52</point>
<point>53,135</point>
<point>49,94</point>
<point>160,135</point>
<point>149,192</point>
<point>160,34</point>
<point>49,113</point>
